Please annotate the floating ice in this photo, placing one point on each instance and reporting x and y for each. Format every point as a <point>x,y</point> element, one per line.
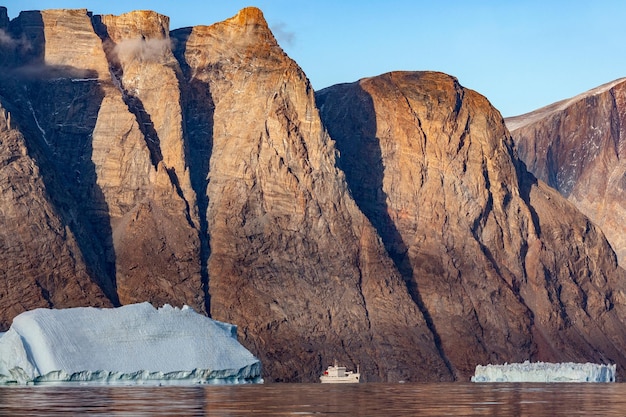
<point>545,372</point>
<point>136,344</point>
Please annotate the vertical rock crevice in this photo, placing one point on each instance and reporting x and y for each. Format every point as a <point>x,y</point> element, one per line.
<point>198,112</point>
<point>362,162</point>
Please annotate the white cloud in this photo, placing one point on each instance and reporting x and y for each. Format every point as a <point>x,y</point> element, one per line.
<point>151,50</point>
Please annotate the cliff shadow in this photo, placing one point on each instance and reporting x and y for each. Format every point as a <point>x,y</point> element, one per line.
<point>134,103</point>
<point>137,108</point>
<point>58,109</point>
<point>198,110</point>
<point>349,115</point>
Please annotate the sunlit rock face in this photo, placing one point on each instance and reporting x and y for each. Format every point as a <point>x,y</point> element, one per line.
<point>398,232</point>
<point>578,147</point>
<point>504,267</point>
<point>47,256</point>
<point>293,261</point>
<point>41,261</point>
<point>114,176</point>
<point>195,170</point>
<point>155,220</point>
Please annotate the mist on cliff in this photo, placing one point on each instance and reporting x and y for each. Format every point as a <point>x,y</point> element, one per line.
<point>141,49</point>
<point>6,39</point>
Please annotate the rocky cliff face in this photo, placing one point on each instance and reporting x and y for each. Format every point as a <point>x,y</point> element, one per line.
<point>292,259</point>
<point>578,147</point>
<point>114,174</point>
<point>41,263</point>
<point>192,167</point>
<point>501,264</point>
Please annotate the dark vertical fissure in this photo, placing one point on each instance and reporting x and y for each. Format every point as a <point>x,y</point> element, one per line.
<point>198,109</point>
<point>362,162</point>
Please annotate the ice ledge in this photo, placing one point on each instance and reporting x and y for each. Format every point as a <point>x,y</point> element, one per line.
<point>545,372</point>
<point>249,375</point>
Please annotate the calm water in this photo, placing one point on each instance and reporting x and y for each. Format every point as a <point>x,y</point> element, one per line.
<point>457,399</point>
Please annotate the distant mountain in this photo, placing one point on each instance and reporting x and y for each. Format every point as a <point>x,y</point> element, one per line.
<point>578,146</point>
<point>385,223</point>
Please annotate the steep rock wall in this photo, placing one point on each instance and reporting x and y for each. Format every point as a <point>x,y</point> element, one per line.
<point>478,239</point>
<point>577,146</point>
<point>192,167</point>
<point>127,209</point>
<point>292,260</point>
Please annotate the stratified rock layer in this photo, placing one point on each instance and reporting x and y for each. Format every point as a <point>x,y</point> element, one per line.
<point>578,146</point>
<point>114,176</point>
<point>41,264</point>
<point>192,167</point>
<point>293,261</point>
<point>504,267</point>
<point>151,201</point>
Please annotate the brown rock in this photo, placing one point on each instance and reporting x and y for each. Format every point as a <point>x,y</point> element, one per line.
<point>41,264</point>
<point>135,167</point>
<point>122,185</point>
<point>577,147</point>
<point>504,267</point>
<point>155,220</point>
<point>293,262</point>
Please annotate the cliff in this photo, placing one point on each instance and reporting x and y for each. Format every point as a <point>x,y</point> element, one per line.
<point>577,146</point>
<point>504,267</point>
<point>385,223</point>
<point>292,259</point>
<point>104,150</point>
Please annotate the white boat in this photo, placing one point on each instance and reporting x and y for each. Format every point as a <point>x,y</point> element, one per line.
<point>338,375</point>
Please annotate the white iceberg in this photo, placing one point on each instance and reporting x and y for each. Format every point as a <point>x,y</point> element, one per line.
<point>545,372</point>
<point>136,344</point>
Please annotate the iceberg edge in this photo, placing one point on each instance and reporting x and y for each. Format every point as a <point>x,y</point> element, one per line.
<point>545,372</point>
<point>248,375</point>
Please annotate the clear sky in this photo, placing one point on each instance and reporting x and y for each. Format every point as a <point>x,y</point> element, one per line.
<point>520,54</point>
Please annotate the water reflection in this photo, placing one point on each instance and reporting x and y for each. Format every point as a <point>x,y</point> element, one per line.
<point>320,400</point>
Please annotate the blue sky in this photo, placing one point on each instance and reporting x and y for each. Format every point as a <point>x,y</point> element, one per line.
<point>521,55</point>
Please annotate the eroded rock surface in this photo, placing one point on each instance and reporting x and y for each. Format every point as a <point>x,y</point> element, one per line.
<point>505,268</point>
<point>192,167</point>
<point>41,263</point>
<point>114,186</point>
<point>578,147</point>
<point>293,261</point>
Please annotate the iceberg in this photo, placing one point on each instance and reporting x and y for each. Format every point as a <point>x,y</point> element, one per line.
<point>133,344</point>
<point>545,372</point>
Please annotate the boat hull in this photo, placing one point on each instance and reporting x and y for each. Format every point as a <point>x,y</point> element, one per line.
<point>353,379</point>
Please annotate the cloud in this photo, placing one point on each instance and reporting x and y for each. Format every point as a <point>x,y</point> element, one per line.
<point>151,50</point>
<point>41,71</point>
<point>6,39</point>
<point>282,34</point>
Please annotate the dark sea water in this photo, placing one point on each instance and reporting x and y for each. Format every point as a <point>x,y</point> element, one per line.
<point>452,399</point>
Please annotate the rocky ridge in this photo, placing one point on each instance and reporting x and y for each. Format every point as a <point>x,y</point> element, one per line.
<point>577,147</point>
<point>195,167</point>
<point>108,168</point>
